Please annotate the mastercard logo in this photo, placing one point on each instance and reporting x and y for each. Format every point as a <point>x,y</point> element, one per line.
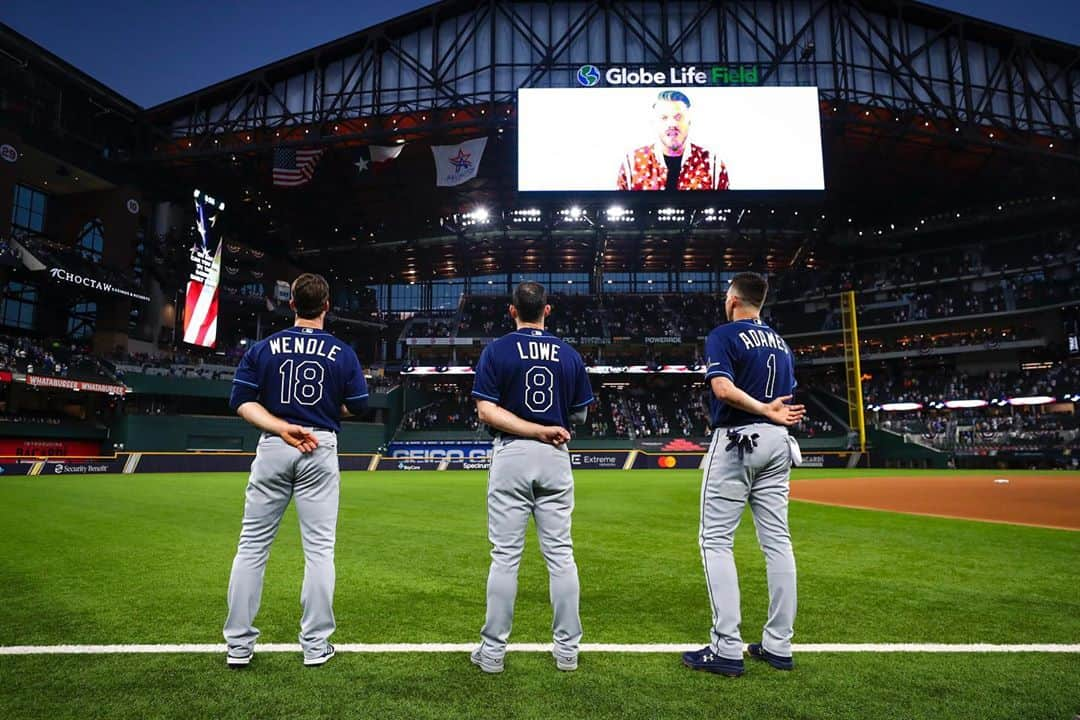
<point>666,461</point>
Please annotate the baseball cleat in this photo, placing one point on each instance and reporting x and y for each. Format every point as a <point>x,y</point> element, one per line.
<point>755,650</point>
<point>491,667</point>
<point>238,661</point>
<point>566,663</point>
<point>707,660</point>
<point>322,658</point>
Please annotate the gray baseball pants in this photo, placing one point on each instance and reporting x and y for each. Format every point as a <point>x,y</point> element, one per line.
<point>759,469</point>
<point>530,478</point>
<point>278,474</point>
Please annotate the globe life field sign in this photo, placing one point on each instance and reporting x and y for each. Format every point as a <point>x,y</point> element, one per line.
<point>688,75</point>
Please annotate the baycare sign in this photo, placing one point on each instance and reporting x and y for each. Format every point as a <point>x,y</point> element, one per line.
<point>620,76</point>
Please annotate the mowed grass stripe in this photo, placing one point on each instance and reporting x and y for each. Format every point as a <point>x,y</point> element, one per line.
<point>606,687</point>
<point>145,559</point>
<point>424,648</point>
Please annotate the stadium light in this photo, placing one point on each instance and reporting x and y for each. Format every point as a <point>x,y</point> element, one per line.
<point>1032,400</point>
<point>959,404</point>
<point>901,406</point>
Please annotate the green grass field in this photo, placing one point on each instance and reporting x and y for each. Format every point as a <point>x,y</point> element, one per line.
<point>145,559</point>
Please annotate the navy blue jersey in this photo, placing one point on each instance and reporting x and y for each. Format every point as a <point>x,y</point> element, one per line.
<point>303,376</point>
<point>534,375</point>
<point>756,359</point>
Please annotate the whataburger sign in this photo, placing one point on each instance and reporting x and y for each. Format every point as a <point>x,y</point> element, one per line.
<point>55,382</point>
<point>62,275</point>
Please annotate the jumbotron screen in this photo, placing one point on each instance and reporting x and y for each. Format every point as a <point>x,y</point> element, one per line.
<point>657,138</point>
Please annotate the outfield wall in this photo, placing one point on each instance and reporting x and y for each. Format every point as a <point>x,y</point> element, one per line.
<point>185,433</point>
<point>456,458</point>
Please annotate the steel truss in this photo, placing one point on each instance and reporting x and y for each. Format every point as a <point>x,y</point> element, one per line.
<point>423,69</point>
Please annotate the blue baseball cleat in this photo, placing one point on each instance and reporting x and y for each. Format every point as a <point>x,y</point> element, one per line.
<point>755,650</point>
<point>705,659</point>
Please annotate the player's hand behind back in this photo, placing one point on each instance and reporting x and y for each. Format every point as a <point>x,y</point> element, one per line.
<point>553,435</point>
<point>300,438</point>
<point>780,412</point>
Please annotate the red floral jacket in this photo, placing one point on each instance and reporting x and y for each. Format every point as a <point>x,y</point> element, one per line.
<point>645,169</point>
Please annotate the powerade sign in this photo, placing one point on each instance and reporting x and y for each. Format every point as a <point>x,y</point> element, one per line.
<point>592,76</point>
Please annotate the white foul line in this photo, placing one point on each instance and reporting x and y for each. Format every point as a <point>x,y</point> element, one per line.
<point>534,647</point>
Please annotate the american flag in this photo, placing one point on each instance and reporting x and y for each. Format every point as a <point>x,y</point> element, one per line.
<point>201,300</point>
<point>201,307</point>
<point>294,167</point>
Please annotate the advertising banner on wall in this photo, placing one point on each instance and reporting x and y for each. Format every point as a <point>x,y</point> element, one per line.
<point>78,385</point>
<point>42,447</point>
<point>63,275</point>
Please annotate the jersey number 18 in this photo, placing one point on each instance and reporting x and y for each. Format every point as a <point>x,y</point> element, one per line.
<point>302,382</point>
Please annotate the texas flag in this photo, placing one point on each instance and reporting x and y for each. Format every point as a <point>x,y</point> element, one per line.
<point>457,164</point>
<point>374,159</point>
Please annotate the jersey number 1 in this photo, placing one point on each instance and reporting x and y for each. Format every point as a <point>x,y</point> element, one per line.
<point>770,383</point>
<point>302,382</point>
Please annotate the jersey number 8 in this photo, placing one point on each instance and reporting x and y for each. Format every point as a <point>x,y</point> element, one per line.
<point>302,382</point>
<point>539,388</point>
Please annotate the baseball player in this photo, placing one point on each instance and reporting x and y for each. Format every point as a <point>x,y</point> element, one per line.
<point>529,386</point>
<point>749,370</point>
<point>294,386</point>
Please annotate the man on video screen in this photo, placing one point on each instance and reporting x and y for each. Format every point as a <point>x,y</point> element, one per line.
<point>672,162</point>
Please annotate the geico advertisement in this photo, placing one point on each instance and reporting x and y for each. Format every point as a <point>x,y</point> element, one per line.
<point>438,452</point>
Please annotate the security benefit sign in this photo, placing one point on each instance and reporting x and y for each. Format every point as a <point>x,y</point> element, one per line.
<point>201,303</point>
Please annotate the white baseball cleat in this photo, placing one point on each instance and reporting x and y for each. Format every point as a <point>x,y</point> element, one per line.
<point>238,661</point>
<point>566,663</point>
<point>492,667</point>
<point>322,658</point>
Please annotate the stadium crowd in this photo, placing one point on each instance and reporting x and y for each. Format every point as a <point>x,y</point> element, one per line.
<point>620,410</point>
<point>901,385</point>
<point>52,358</point>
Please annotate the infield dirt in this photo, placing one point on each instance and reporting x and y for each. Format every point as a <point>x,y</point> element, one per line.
<point>1049,500</point>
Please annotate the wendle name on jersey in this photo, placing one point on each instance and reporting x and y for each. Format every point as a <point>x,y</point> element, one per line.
<point>538,351</point>
<point>304,346</point>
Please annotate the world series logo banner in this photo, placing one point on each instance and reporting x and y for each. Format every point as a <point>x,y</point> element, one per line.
<point>201,304</point>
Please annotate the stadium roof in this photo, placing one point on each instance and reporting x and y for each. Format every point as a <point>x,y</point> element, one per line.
<point>907,10</point>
